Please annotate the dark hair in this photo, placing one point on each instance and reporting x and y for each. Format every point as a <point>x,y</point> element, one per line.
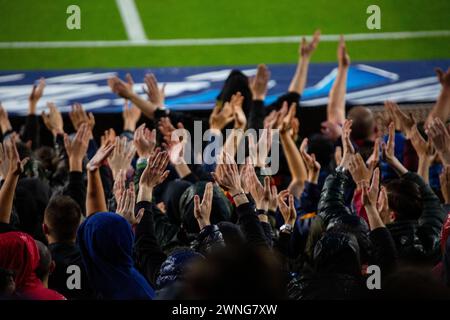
<point>323,149</point>
<point>63,217</point>
<point>45,260</point>
<point>405,199</point>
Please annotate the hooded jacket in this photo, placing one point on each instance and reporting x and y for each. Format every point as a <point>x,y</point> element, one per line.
<point>106,245</point>
<point>19,253</point>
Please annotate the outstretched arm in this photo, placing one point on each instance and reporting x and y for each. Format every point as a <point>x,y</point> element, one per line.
<point>336,99</point>
<point>121,88</point>
<point>95,197</point>
<point>441,109</point>
<point>8,152</point>
<point>306,49</point>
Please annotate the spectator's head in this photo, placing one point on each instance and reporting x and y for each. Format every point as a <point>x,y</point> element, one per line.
<point>46,264</point>
<point>238,273</point>
<point>61,219</point>
<point>404,200</point>
<point>322,148</point>
<point>46,156</point>
<point>220,211</point>
<point>106,245</point>
<point>363,123</point>
<point>20,255</point>
<point>175,266</point>
<point>236,82</point>
<point>7,284</point>
<point>337,252</point>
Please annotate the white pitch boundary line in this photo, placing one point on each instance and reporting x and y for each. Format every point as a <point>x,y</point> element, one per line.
<point>131,20</point>
<point>223,41</point>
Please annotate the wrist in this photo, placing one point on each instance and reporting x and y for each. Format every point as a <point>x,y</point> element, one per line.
<point>145,193</point>
<point>32,107</point>
<point>259,96</point>
<point>75,164</point>
<point>57,131</point>
<point>202,223</point>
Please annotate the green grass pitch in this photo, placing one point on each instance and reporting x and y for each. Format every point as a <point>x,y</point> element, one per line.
<point>45,20</point>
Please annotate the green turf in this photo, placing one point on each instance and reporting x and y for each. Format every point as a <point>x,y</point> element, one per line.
<point>44,20</point>
<point>165,19</point>
<point>216,55</point>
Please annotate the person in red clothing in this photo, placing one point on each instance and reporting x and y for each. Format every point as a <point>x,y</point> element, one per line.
<point>21,256</point>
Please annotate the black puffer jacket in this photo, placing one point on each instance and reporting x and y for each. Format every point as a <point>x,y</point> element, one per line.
<point>418,240</point>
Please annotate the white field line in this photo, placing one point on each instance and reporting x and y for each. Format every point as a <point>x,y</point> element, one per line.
<point>131,20</point>
<point>222,41</point>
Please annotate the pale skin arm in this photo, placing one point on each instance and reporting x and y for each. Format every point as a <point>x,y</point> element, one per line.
<point>295,163</point>
<point>95,197</point>
<point>336,98</point>
<point>441,109</point>
<point>306,49</point>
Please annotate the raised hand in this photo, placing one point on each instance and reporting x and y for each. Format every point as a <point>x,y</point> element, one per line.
<point>227,175</point>
<point>287,210</point>
<point>370,197</point>
<point>358,169</point>
<point>389,147</point>
<point>155,95</point>
<point>100,157</point>
<point>119,186</point>
<point>36,93</point>
<point>120,87</point>
<point>5,125</point>
<point>258,84</point>
<point>307,48</point>
<point>443,77</point>
<point>154,173</point>
<point>260,193</point>
<point>13,165</point>
<point>440,138</point>
<point>202,210</point>
<point>126,204</point>
<point>423,148</point>
<point>402,121</point>
<point>77,148</point>
<point>444,179</point>
<point>144,141</point>
<point>389,152</point>
<point>130,116</point>
<point>78,116</point>
<point>312,165</point>
<point>342,55</point>
<point>240,120</point>
<point>221,116</point>
<point>347,147</point>
<point>121,157</point>
<point>109,137</point>
<point>53,120</point>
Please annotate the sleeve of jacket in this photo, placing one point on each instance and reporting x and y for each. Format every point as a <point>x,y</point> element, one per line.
<point>332,199</point>
<point>251,226</point>
<point>433,214</point>
<point>384,251</point>
<point>256,115</point>
<point>310,197</point>
<point>209,239</point>
<point>76,189</point>
<point>148,254</point>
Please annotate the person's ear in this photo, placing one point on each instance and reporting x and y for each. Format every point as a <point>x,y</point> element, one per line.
<point>45,229</point>
<point>392,216</point>
<point>52,267</point>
